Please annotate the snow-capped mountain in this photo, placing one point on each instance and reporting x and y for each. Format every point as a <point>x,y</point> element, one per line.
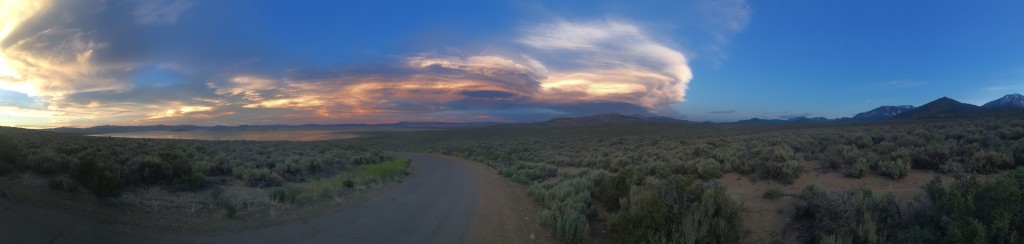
<point>1008,101</point>
<point>883,112</point>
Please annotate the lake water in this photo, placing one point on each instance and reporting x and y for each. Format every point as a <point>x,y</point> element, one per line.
<point>252,135</point>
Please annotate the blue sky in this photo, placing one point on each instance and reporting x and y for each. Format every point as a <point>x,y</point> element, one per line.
<point>87,63</point>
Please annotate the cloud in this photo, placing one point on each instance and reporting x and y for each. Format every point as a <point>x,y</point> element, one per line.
<point>722,112</point>
<point>160,11</point>
<point>567,66</point>
<point>55,62</point>
<point>86,63</point>
<point>895,84</point>
<point>1005,88</point>
<point>723,18</point>
<point>608,61</point>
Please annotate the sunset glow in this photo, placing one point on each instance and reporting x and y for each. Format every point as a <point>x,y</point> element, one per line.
<point>85,63</point>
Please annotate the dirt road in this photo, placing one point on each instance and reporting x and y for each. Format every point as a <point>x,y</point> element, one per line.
<point>445,200</point>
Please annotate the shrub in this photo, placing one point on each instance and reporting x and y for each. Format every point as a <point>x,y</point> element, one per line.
<point>48,162</point>
<point>148,169</point>
<point>989,161</point>
<point>61,184</point>
<point>975,211</point>
<point>9,150</point>
<point>855,216</point>
<point>645,215</point>
<point>709,168</point>
<point>284,194</point>
<point>100,179</point>
<point>524,173</point>
<point>6,168</point>
<point>261,178</point>
<point>615,188</point>
<point>715,219</point>
<point>772,193</point>
<point>568,203</point>
<point>895,169</point>
<point>229,206</point>
<point>56,184</point>
<point>675,210</point>
<point>859,168</point>
<point>786,172</point>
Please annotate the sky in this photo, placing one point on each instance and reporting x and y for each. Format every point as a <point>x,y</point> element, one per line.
<point>231,62</point>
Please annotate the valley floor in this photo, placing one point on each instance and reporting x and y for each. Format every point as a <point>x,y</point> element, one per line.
<point>445,200</point>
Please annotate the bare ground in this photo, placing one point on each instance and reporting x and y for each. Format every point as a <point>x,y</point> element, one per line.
<point>765,220</point>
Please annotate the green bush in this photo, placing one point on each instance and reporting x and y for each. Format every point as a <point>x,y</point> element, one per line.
<point>859,168</point>
<point>645,215</point>
<point>568,204</point>
<point>6,168</point>
<point>61,184</point>
<point>855,216</point>
<point>149,170</point>
<point>56,184</point>
<point>284,194</point>
<point>261,178</point>
<point>772,193</point>
<point>615,188</point>
<point>709,168</point>
<point>49,162</point>
<point>9,150</point>
<point>786,172</point>
<point>675,210</point>
<point>100,179</point>
<point>974,211</point>
<point>224,202</point>
<point>895,169</point>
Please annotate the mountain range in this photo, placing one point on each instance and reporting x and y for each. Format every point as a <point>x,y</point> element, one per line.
<point>104,129</point>
<point>1008,101</point>
<point>940,108</point>
<point>883,112</point>
<point>612,119</point>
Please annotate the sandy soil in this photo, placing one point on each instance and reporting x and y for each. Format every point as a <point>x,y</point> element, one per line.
<point>506,214</point>
<point>765,220</point>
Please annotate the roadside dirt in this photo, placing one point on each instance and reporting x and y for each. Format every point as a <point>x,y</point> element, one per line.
<point>445,200</point>
<point>155,208</point>
<point>506,214</point>
<point>766,220</point>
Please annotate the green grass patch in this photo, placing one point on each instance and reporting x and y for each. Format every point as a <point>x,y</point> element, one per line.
<point>364,174</point>
<point>284,194</point>
<point>392,168</point>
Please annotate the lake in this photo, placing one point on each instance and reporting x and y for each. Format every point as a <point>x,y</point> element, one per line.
<point>253,135</point>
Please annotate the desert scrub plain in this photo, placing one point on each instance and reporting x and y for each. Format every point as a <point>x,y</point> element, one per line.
<point>185,181</point>
<point>918,181</point>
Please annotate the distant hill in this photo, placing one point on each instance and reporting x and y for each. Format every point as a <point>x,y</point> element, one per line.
<point>882,113</point>
<point>1008,101</point>
<point>942,108</point>
<point>759,121</point>
<point>104,129</point>
<point>612,119</point>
